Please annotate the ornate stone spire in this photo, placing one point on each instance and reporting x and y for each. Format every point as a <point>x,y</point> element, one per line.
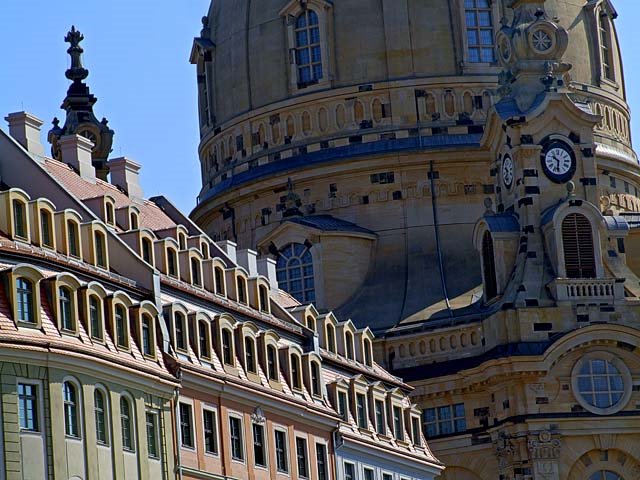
<point>530,50</point>
<point>78,106</point>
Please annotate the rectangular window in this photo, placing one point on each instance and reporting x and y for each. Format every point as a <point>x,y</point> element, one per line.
<point>398,428</point>
<point>479,30</point>
<point>282,464</point>
<point>321,461</point>
<point>45,228</point>
<point>152,434</point>
<point>444,420</point>
<point>259,446</point>
<point>349,471</point>
<point>72,238</point>
<point>415,430</point>
<point>343,409</point>
<point>380,426</point>
<point>210,431</point>
<point>361,408</point>
<point>235,431</point>
<point>28,407</point>
<point>387,476</point>
<point>369,474</point>
<point>19,219</point>
<point>100,250</point>
<point>612,182</point>
<point>301,454</point>
<point>186,425</point>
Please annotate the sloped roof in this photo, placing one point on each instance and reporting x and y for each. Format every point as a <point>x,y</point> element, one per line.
<point>328,223</point>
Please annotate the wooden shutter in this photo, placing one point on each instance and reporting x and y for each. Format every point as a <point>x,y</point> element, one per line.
<point>577,243</point>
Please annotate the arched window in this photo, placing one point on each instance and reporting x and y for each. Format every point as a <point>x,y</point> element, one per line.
<point>100,409</point>
<point>126,420</point>
<point>172,265</point>
<point>227,347</point>
<point>204,249</point>
<point>73,239</point>
<point>95,317</point>
<point>203,335</point>
<point>241,290</point>
<point>250,354</point>
<point>311,323</point>
<point>308,52</point>
<point>133,220</point>
<point>182,241</point>
<point>70,399</point>
<point>606,51</point>
<point>479,31</point>
<point>110,216</point>
<point>24,304</point>
<point>577,245</point>
<point>195,272</point>
<point>294,269</point>
<point>66,308</point>
<point>331,338</point>
<point>264,298</point>
<point>316,387</point>
<point>272,363</point>
<point>46,234</point>
<point>368,358</point>
<point>146,251</point>
<point>179,328</point>
<point>605,475</point>
<point>101,254</point>
<point>219,279</point>
<point>348,339</point>
<point>19,219</point>
<point>147,335</point>
<point>296,377</point>
<point>489,267</point>
<point>121,326</point>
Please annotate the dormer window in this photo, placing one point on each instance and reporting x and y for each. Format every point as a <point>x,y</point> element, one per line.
<point>331,338</point>
<point>368,358</point>
<point>398,423</point>
<point>121,326</point>
<point>133,220</point>
<point>343,405</point>
<point>19,219</point>
<point>179,328</point>
<point>110,213</point>
<point>46,228</point>
<point>182,241</point>
<point>66,309</point>
<point>227,347</point>
<point>479,31</point>
<point>172,263</point>
<point>203,335</point>
<point>195,272</point>
<point>95,317</point>
<point>241,290</point>
<point>24,301</point>
<point>147,335</point>
<point>296,374</point>
<point>263,298</point>
<point>250,354</point>
<point>272,363</point>
<point>204,249</point>
<point>73,240</point>
<point>219,279</point>
<point>100,249</point>
<point>578,247</point>
<point>311,323</point>
<point>361,410</point>
<point>316,386</point>
<point>348,340</point>
<point>146,251</point>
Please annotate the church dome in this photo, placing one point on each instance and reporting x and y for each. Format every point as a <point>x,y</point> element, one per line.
<point>351,106</point>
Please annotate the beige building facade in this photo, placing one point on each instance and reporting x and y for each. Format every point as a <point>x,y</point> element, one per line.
<point>457,176</point>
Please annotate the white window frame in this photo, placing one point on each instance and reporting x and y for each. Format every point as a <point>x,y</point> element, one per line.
<point>107,416</point>
<point>266,445</point>
<point>189,402</point>
<point>79,409</point>
<point>40,406</point>
<point>285,430</point>
<point>468,66</point>
<point>156,423</point>
<point>210,408</point>
<point>307,460</point>
<point>243,447</point>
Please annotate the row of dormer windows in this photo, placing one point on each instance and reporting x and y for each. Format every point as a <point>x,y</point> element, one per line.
<point>238,345</point>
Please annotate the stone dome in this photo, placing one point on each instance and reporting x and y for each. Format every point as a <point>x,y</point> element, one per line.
<point>351,106</point>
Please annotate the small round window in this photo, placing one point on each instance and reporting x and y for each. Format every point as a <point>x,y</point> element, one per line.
<point>601,383</point>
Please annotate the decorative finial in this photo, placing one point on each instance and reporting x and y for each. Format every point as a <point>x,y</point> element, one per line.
<point>571,188</point>
<point>77,72</point>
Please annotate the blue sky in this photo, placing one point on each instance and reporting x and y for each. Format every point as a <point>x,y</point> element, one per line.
<point>137,52</point>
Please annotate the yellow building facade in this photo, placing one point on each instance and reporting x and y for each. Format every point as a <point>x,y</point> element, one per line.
<point>457,176</point>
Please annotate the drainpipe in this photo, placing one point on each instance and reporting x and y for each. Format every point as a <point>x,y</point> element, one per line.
<point>176,413</point>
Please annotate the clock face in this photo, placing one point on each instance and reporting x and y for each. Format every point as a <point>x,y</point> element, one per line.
<point>507,171</point>
<point>558,162</point>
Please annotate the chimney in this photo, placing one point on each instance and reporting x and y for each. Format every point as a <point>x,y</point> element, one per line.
<point>25,129</point>
<point>248,259</point>
<point>124,174</point>
<point>229,248</point>
<point>267,268</point>
<point>76,151</point>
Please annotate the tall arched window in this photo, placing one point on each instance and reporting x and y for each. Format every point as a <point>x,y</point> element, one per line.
<point>46,222</point>
<point>100,246</point>
<point>368,359</point>
<point>126,420</point>
<point>73,239</point>
<point>203,335</point>
<point>606,52</point>
<point>227,347</point>
<point>489,267</point>
<point>316,386</point>
<point>272,363</point>
<point>172,264</point>
<point>308,52</point>
<point>146,251</point>
<point>348,340</point>
<point>179,329</point>
<point>66,312</point>
<point>331,338</point>
<point>250,354</point>
<point>95,317</point>
<point>219,279</point>
<point>195,272</point>
<point>100,409</point>
<point>147,335</point>
<point>70,399</point>
<point>24,305</point>
<point>294,269</point>
<point>121,325</point>
<point>263,298</point>
<point>19,219</point>
<point>241,290</point>
<point>577,245</point>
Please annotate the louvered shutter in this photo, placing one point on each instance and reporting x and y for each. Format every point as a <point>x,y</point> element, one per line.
<point>577,243</point>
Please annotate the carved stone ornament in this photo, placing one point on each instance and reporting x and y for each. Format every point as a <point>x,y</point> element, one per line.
<point>258,416</point>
